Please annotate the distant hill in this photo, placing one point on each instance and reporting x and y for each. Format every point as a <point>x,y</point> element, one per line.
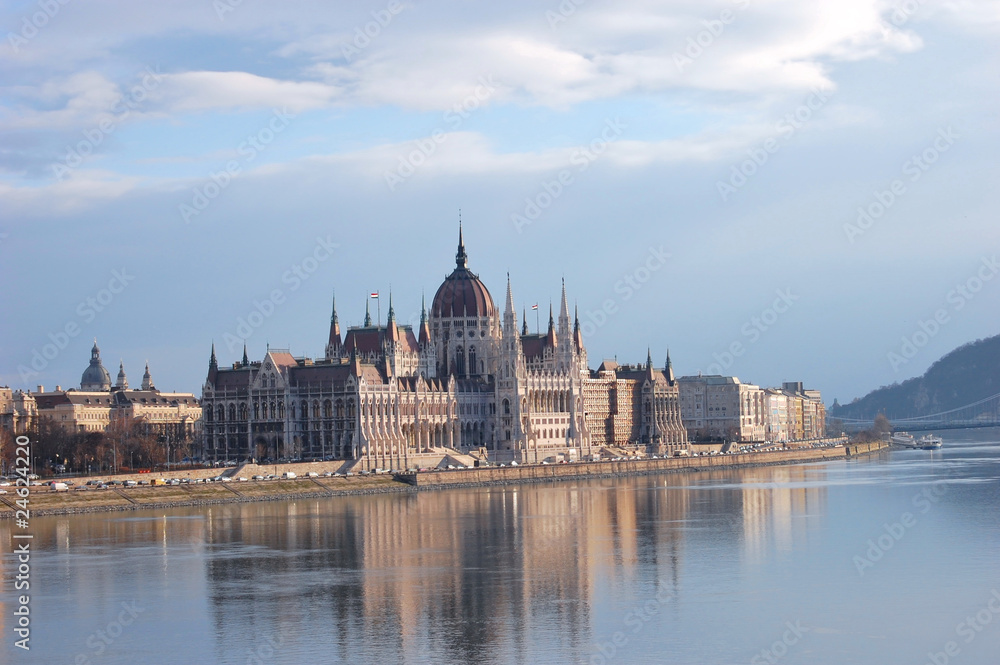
<point>965,375</point>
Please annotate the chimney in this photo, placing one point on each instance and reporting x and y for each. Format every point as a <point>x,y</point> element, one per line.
<point>41,389</point>
<point>58,389</point>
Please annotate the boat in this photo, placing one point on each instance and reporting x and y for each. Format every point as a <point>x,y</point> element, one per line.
<point>904,439</point>
<point>929,442</point>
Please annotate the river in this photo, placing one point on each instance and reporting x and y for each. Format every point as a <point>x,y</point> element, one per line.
<point>886,559</point>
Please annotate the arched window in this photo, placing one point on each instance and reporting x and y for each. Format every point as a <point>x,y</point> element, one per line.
<point>460,361</point>
<point>473,367</point>
<point>304,410</point>
<point>506,408</point>
<point>221,412</point>
<point>281,409</point>
<point>327,409</point>
<point>243,411</point>
<point>209,412</point>
<point>256,411</point>
<point>232,412</point>
<point>315,408</point>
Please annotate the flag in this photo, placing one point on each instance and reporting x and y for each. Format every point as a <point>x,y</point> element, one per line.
<point>374,294</point>
<point>534,307</point>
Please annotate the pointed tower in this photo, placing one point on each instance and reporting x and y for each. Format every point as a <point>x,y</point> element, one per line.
<point>577,334</point>
<point>213,368</point>
<point>550,337</point>
<point>122,382</point>
<point>333,343</point>
<point>368,313</point>
<point>425,328</point>
<point>669,369</point>
<point>564,330</point>
<point>147,379</point>
<point>524,322</point>
<point>246,359</point>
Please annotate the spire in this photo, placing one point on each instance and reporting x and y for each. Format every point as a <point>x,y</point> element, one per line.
<point>461,258</point>
<point>509,316</point>
<point>669,368</point>
<point>392,332</point>
<point>425,328</point>
<point>147,379</point>
<point>212,362</point>
<point>368,313</point>
<point>550,338</point>
<point>649,359</point>
<point>246,360</point>
<point>577,334</point>
<point>524,322</point>
<point>333,342</point>
<point>564,312</point>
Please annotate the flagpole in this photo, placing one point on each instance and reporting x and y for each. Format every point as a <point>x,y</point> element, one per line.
<point>378,305</point>
<point>538,328</point>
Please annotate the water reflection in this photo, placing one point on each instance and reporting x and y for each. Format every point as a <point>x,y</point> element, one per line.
<point>519,574</point>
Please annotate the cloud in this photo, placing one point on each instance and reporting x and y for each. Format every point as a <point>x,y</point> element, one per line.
<point>193,92</point>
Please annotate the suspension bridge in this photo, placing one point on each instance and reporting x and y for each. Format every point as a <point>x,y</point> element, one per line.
<point>984,413</point>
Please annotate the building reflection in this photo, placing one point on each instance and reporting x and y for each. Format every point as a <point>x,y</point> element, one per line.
<point>469,576</point>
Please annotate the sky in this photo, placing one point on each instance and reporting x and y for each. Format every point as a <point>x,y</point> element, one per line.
<point>777,190</point>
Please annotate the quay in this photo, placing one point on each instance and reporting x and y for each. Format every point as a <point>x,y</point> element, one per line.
<point>78,501</point>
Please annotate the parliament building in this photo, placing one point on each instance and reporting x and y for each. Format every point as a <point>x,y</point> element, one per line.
<point>468,384</point>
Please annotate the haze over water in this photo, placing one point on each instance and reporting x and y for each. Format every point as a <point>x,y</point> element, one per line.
<point>685,568</point>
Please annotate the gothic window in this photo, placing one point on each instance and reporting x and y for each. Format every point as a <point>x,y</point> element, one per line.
<point>208,414</point>
<point>232,412</point>
<point>315,409</point>
<point>459,361</point>
<point>243,411</point>
<point>291,410</point>
<point>327,409</point>
<point>472,360</point>
<point>274,411</point>
<point>256,411</point>
<point>281,409</point>
<point>506,409</point>
<point>221,411</point>
<point>304,409</point>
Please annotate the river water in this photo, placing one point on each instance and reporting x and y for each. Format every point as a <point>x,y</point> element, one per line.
<point>888,559</point>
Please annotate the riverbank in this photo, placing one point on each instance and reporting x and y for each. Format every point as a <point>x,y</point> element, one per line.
<point>43,501</point>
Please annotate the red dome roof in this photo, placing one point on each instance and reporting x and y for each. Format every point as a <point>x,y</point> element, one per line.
<point>462,293</point>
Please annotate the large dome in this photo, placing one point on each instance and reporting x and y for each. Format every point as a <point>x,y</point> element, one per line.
<point>462,294</point>
<point>95,377</point>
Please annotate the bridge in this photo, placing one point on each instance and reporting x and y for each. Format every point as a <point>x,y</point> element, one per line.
<point>984,413</point>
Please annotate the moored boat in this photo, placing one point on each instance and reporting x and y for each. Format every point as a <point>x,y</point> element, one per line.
<point>929,442</point>
<point>904,439</point>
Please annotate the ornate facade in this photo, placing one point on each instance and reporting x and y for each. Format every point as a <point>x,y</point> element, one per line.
<point>468,382</point>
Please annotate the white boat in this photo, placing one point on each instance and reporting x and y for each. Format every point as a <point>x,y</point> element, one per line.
<point>929,442</point>
<point>904,439</point>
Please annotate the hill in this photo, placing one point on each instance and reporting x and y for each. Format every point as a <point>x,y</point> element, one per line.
<point>968,374</point>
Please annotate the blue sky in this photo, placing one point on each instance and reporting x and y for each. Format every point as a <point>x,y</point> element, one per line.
<point>739,138</point>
